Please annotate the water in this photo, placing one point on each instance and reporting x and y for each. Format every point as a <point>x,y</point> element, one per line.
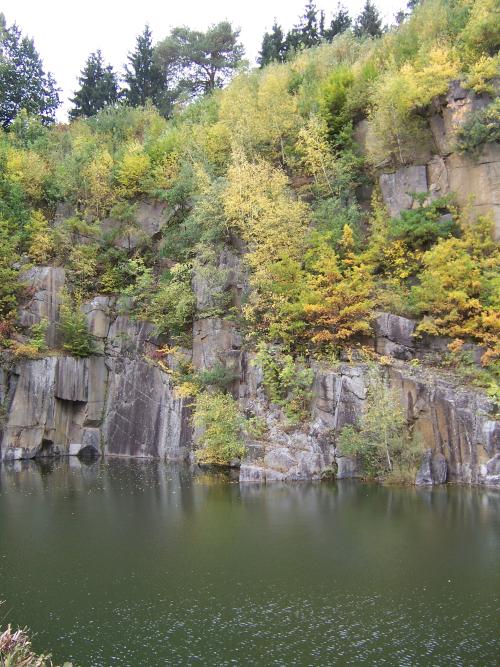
<point>138,563</point>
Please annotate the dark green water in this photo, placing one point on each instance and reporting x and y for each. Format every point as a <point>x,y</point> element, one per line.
<point>134,563</point>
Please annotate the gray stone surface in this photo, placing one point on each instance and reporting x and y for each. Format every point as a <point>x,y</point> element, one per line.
<point>149,219</point>
<point>433,469</point>
<point>45,284</point>
<point>143,418</point>
<point>398,188</point>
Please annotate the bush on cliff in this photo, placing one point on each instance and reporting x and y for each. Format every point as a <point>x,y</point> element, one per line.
<point>220,423</point>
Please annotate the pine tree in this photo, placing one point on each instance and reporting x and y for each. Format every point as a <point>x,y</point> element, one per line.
<point>98,88</point>
<point>23,81</point>
<point>142,75</point>
<point>200,61</point>
<point>309,28</point>
<point>273,46</point>
<point>369,22</point>
<point>341,21</point>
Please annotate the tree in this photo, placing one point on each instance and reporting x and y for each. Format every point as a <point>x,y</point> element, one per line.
<point>98,88</point>
<point>369,22</point>
<point>23,81</point>
<point>309,27</point>
<point>200,61</point>
<point>143,75</point>
<point>273,46</point>
<point>307,33</point>
<point>340,22</point>
<point>380,439</point>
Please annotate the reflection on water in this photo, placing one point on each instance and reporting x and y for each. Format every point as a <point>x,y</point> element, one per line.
<point>141,563</point>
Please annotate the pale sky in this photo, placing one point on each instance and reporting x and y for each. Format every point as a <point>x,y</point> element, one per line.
<point>66,32</point>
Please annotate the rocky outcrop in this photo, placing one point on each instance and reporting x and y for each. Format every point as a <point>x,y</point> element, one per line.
<point>114,403</point>
<point>142,416</point>
<point>472,179</point>
<point>44,285</point>
<point>148,219</point>
<point>455,426</point>
<point>399,189</point>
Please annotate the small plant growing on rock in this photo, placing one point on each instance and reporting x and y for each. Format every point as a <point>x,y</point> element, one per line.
<point>380,440</point>
<point>76,337</point>
<point>220,424</point>
<point>287,382</point>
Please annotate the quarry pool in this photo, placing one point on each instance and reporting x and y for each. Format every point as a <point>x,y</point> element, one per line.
<point>133,563</point>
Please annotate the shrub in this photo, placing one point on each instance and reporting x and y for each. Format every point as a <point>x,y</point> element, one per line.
<point>287,382</point>
<point>220,423</point>
<point>480,127</point>
<point>76,337</point>
<point>380,439</point>
<point>421,227</point>
<point>172,306</point>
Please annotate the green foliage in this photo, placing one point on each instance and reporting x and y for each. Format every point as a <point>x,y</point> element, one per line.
<point>200,61</point>
<point>287,381</point>
<point>219,422</point>
<point>143,75</point>
<point>421,227</point>
<point>480,127</point>
<point>98,87</point>
<point>15,651</point>
<point>10,286</point>
<point>169,304</point>
<point>334,101</point>
<point>38,336</point>
<point>76,338</point>
<point>24,85</point>
<point>369,21</point>
<point>380,439</point>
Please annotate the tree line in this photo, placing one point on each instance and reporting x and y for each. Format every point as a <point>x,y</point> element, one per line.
<point>186,64</point>
<point>313,28</point>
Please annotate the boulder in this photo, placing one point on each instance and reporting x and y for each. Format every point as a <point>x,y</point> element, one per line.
<point>394,336</point>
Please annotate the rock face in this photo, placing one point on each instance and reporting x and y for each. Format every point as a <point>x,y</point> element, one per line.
<point>459,437</point>
<point>149,218</point>
<point>399,189</point>
<point>142,417</point>
<point>471,179</point>
<point>113,403</point>
<point>44,284</point>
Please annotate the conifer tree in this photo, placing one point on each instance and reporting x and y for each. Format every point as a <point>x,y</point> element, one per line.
<point>200,61</point>
<point>98,88</point>
<point>273,46</point>
<point>23,81</point>
<point>341,21</point>
<point>142,74</point>
<point>369,21</point>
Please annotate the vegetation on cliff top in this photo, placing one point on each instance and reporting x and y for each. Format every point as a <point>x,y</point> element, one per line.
<point>270,159</point>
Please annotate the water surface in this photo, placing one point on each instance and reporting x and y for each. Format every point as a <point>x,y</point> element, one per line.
<point>138,563</point>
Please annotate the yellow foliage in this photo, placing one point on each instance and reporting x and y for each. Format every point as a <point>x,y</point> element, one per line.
<point>317,156</point>
<point>98,192</point>
<point>482,72</point>
<point>29,170</point>
<point>132,170</point>
<point>432,75</point>
<point>41,244</point>
<point>259,206</point>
